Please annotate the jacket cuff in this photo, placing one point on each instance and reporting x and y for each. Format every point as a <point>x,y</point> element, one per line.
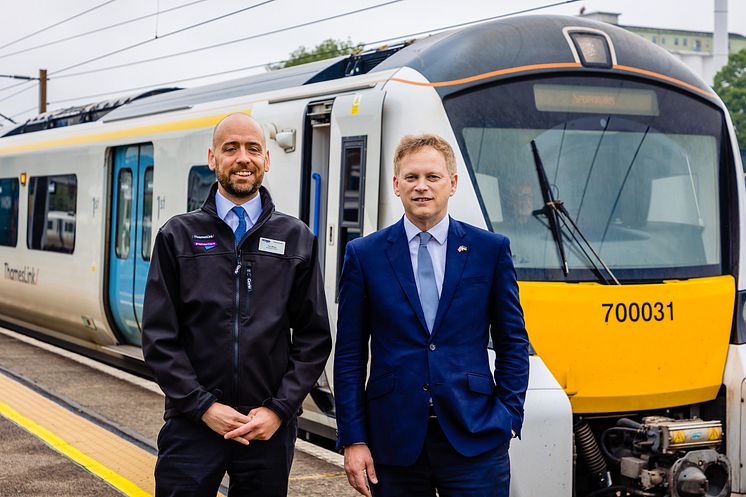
<point>350,436</point>
<point>280,409</point>
<point>209,400</point>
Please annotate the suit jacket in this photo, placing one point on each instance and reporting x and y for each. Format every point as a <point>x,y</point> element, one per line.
<point>379,303</point>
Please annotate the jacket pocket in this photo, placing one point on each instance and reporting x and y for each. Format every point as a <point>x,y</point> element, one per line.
<point>480,383</point>
<point>380,386</point>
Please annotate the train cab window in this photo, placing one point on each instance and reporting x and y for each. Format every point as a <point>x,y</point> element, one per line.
<point>52,206</point>
<point>351,194</point>
<point>201,178</point>
<point>147,213</point>
<point>636,173</point>
<point>9,212</point>
<point>124,213</point>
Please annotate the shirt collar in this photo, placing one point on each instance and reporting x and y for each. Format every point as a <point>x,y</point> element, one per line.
<point>253,207</point>
<point>439,231</point>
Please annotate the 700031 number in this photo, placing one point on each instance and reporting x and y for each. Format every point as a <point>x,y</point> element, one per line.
<point>634,312</point>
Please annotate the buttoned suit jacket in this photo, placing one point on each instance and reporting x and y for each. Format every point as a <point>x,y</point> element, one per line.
<point>379,306</point>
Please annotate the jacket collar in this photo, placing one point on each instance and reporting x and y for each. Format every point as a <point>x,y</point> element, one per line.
<point>268,207</point>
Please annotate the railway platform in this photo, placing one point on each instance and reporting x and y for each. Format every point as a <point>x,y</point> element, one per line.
<point>71,426</point>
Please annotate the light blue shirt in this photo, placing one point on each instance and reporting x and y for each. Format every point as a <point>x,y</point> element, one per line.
<point>436,247</point>
<point>252,209</point>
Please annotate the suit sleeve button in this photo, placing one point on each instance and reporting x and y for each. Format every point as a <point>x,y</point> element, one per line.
<point>426,387</point>
<point>432,346</point>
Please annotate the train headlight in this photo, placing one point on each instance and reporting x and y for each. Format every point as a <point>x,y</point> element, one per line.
<point>593,49</point>
<point>23,179</point>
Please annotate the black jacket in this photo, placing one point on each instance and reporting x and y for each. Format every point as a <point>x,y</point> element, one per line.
<point>217,320</point>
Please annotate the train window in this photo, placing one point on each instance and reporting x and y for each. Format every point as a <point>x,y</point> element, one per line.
<point>124,213</point>
<point>147,213</point>
<point>201,178</point>
<point>52,206</point>
<point>9,212</point>
<point>351,194</point>
<point>633,166</point>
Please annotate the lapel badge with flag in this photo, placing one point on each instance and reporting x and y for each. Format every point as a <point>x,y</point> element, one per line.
<point>463,248</point>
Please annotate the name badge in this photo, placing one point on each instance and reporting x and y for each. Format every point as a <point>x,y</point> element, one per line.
<point>272,246</point>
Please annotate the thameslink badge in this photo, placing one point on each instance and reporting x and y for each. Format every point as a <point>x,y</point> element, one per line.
<point>272,246</point>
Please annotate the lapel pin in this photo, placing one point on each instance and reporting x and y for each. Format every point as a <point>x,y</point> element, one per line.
<point>463,248</point>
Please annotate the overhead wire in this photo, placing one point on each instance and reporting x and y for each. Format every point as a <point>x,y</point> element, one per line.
<point>57,23</point>
<point>222,44</point>
<point>470,23</point>
<point>149,40</point>
<point>14,85</point>
<point>333,52</point>
<point>159,85</point>
<point>98,30</point>
<point>22,90</point>
<point>17,114</point>
<point>398,37</point>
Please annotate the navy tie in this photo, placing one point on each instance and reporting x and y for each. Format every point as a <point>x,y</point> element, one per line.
<point>241,229</point>
<point>428,287</point>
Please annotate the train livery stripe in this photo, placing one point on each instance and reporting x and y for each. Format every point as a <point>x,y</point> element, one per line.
<point>499,72</point>
<point>118,462</point>
<point>152,129</point>
<point>665,78</point>
<point>559,65</point>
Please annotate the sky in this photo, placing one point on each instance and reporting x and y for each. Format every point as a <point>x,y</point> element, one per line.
<point>269,28</point>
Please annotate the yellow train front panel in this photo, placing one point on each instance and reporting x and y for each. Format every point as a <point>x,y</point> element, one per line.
<point>632,347</point>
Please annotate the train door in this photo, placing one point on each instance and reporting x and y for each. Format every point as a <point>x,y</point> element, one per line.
<point>130,242</point>
<point>354,179</point>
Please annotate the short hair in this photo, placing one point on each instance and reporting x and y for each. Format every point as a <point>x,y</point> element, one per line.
<point>413,143</point>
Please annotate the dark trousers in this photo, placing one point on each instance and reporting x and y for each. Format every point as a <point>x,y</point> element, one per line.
<point>192,460</point>
<point>440,467</point>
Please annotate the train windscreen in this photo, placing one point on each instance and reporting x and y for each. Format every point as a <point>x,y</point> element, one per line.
<point>636,166</point>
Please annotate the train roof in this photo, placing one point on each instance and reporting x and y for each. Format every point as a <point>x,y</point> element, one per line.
<point>525,41</point>
<point>492,48</point>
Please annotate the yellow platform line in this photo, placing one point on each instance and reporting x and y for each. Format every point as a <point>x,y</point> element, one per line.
<point>123,465</point>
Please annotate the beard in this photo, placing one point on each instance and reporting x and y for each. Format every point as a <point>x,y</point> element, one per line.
<point>240,190</point>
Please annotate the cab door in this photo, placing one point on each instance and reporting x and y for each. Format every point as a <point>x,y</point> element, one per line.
<point>130,241</point>
<point>353,185</point>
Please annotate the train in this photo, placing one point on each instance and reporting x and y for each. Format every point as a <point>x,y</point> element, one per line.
<point>611,167</point>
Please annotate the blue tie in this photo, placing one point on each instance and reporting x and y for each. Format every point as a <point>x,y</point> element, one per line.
<point>428,287</point>
<point>241,229</point>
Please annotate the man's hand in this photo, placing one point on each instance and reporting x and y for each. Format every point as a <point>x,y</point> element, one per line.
<point>263,422</point>
<point>222,418</point>
<point>358,462</point>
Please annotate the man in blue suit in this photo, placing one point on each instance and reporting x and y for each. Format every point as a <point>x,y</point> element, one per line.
<point>427,293</point>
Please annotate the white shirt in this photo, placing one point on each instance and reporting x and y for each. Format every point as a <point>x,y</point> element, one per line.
<point>252,208</point>
<point>436,247</point>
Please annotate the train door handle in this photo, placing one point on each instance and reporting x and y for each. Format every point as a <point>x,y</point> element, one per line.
<point>316,178</point>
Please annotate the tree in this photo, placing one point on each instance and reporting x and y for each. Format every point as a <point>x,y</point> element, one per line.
<point>325,50</point>
<point>730,84</point>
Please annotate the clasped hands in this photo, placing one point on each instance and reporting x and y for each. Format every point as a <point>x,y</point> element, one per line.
<point>259,424</point>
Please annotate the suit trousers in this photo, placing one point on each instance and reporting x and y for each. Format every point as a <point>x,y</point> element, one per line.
<point>441,467</point>
<point>192,460</point>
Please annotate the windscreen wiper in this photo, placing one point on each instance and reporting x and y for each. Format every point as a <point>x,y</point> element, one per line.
<point>551,212</point>
<point>554,210</point>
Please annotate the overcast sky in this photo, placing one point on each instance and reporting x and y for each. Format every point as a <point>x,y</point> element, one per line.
<point>21,21</point>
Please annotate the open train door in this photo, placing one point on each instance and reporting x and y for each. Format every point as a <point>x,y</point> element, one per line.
<point>354,176</point>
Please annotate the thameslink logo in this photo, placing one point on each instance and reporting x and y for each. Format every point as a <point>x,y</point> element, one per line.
<point>28,275</point>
